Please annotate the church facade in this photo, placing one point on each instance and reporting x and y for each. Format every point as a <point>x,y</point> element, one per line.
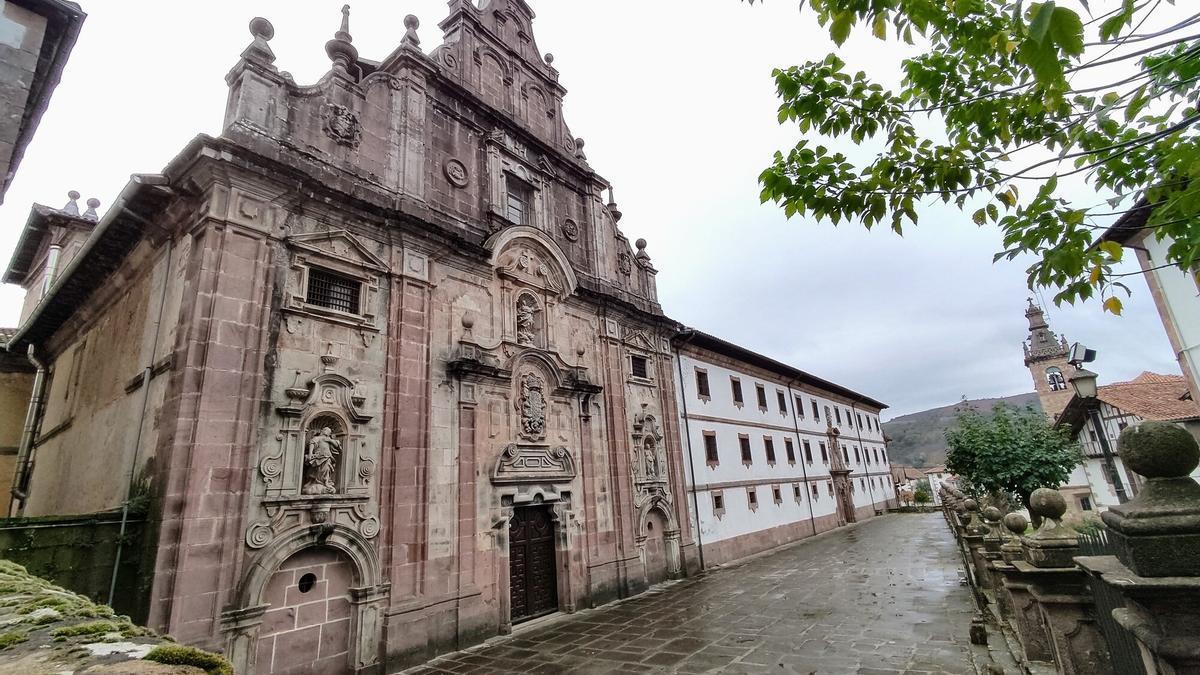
<point>379,358</point>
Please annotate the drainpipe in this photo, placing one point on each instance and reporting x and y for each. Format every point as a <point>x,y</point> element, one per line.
<point>687,435</point>
<point>812,519</point>
<point>20,488</point>
<point>147,373</point>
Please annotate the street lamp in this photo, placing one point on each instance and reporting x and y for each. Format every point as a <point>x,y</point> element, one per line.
<point>1084,383</point>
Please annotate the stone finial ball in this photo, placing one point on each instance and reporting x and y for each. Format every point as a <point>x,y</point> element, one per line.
<point>468,320</point>
<point>411,22</point>
<point>93,203</point>
<point>549,59</point>
<point>992,514</point>
<point>641,244</point>
<point>1048,503</point>
<point>971,505</point>
<point>1016,523</point>
<point>73,195</point>
<point>261,28</point>
<point>1159,450</point>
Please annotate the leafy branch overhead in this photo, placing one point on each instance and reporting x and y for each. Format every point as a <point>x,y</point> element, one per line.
<point>1028,93</point>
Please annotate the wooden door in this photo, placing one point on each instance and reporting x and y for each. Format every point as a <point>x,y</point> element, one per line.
<point>533,583</point>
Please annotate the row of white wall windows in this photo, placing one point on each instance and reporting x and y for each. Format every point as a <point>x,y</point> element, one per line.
<point>835,414</point>
<point>712,455</point>
<point>718,496</point>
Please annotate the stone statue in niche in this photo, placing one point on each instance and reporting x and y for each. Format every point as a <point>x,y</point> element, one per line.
<point>533,407</point>
<point>650,452</point>
<point>527,311</point>
<point>320,464</point>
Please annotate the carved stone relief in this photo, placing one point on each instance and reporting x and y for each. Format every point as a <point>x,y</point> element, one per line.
<point>524,265</point>
<point>533,464</point>
<point>456,173</point>
<point>532,407</point>
<point>625,262</point>
<point>570,230</point>
<point>342,125</point>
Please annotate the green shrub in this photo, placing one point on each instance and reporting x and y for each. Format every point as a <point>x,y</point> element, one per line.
<point>12,638</point>
<point>178,655</point>
<point>90,628</point>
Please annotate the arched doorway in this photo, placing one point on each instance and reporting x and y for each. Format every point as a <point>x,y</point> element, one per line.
<point>307,630</point>
<point>657,567</point>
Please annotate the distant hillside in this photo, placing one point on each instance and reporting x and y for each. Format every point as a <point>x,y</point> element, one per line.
<point>919,439</point>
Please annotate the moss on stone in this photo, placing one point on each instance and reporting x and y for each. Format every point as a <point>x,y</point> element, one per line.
<point>12,638</point>
<point>178,655</point>
<point>89,628</point>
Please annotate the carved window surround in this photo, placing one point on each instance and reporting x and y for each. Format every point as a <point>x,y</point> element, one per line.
<point>341,253</point>
<point>508,160</point>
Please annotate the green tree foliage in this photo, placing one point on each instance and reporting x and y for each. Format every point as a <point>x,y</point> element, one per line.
<point>1028,92</point>
<point>921,494</point>
<point>1011,451</point>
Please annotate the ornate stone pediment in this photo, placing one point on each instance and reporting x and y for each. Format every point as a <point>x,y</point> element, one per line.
<point>534,464</point>
<point>339,245</point>
<point>639,340</point>
<point>522,263</point>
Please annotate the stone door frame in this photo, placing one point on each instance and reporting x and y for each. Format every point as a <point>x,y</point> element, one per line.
<point>561,516</point>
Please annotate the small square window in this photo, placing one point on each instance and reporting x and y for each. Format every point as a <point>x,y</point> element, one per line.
<point>1085,503</point>
<point>702,384</point>
<point>752,498</point>
<point>796,493</point>
<point>333,291</point>
<point>718,503</point>
<point>640,366</point>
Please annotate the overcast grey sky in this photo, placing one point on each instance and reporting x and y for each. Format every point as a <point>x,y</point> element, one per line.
<point>676,103</point>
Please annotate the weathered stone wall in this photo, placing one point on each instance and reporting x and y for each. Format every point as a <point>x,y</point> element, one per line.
<point>15,389</point>
<point>21,35</point>
<point>85,448</point>
<point>78,553</point>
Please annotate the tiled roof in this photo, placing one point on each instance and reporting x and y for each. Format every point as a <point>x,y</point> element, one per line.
<point>1152,396</point>
<point>936,469</point>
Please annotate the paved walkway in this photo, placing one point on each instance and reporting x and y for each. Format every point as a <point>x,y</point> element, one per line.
<point>882,597</point>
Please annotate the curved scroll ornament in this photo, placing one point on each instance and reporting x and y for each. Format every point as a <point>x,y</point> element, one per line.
<point>271,466</point>
<point>533,464</point>
<point>259,535</point>
<point>532,405</point>
<point>369,525</point>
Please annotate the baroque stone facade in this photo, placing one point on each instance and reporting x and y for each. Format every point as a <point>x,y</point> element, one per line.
<point>390,372</point>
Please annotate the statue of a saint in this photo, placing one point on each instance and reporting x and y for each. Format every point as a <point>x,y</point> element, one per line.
<point>320,463</point>
<point>526,315</point>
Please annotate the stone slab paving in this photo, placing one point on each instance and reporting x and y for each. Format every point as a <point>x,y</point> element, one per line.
<point>877,598</point>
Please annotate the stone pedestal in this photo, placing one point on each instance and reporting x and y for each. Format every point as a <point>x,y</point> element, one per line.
<point>1068,614</point>
<point>1162,613</point>
<point>1027,618</point>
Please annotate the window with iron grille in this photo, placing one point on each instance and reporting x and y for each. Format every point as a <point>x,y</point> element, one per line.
<point>333,291</point>
<point>640,366</point>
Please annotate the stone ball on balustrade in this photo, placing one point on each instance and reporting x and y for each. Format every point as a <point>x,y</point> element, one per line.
<point>1016,523</point>
<point>1159,450</point>
<point>1048,503</point>
<point>971,505</point>
<point>992,514</point>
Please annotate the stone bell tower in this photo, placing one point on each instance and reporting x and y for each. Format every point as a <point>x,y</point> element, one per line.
<point>1046,358</point>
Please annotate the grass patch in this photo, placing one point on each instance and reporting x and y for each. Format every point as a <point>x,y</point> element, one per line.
<point>178,655</point>
<point>12,638</point>
<point>90,628</point>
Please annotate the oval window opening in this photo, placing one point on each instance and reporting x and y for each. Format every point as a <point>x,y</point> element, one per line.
<point>307,582</point>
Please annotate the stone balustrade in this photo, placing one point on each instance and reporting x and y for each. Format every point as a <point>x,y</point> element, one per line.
<point>1065,612</point>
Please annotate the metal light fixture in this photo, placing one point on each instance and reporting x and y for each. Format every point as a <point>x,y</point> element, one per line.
<point>1084,383</point>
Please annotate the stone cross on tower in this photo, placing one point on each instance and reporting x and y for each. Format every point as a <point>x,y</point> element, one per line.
<point>1046,358</point>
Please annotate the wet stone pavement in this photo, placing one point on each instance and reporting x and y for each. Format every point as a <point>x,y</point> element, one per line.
<point>881,597</point>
